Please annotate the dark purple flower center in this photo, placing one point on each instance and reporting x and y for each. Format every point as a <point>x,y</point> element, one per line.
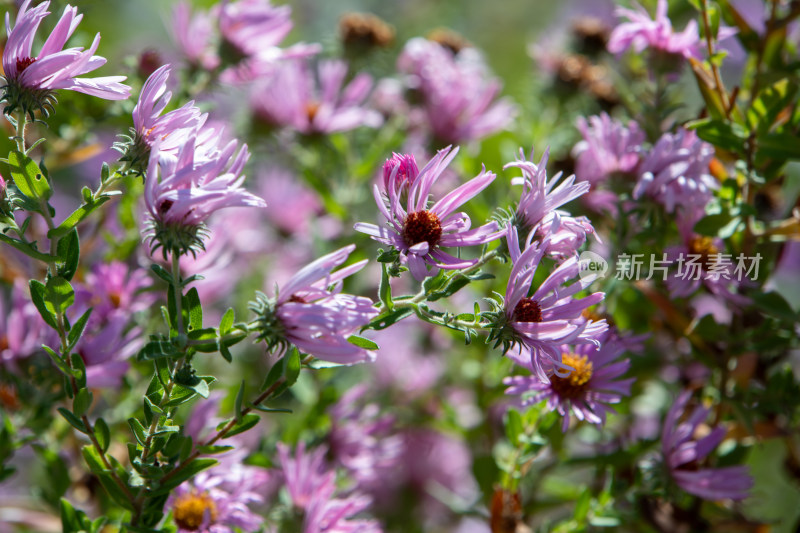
<point>164,206</point>
<point>297,299</point>
<point>189,510</point>
<point>422,226</point>
<point>24,62</point>
<point>575,385</point>
<point>528,310</point>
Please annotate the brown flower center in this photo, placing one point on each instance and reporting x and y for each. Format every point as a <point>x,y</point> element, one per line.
<point>365,29</point>
<point>574,385</point>
<point>528,310</point>
<point>422,226</point>
<point>189,510</point>
<point>704,247</point>
<point>24,63</point>
<point>311,110</point>
<point>3,343</point>
<point>297,299</point>
<point>9,398</point>
<point>164,206</point>
<point>450,39</point>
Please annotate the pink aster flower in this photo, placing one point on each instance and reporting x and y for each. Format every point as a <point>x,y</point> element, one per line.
<point>22,330</point>
<point>684,451</point>
<point>548,318</point>
<point>363,440</point>
<point>420,232</point>
<point>218,500</point>
<point>53,68</point>
<point>194,34</point>
<point>537,207</point>
<point>114,288</point>
<point>608,147</point>
<point>675,172</point>
<point>701,262</point>
<point>314,317</point>
<point>311,486</point>
<point>642,32</point>
<point>589,388</point>
<point>182,192</point>
<point>459,95</point>
<point>291,97</point>
<point>172,129</point>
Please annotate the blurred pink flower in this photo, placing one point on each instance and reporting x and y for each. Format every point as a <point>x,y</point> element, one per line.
<point>459,96</point>
<point>291,97</point>
<point>683,451</point>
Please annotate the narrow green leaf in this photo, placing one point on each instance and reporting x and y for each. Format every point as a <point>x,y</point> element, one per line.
<point>77,329</point>
<point>59,295</point>
<point>362,342</point>
<point>76,217</point>
<point>226,324</point>
<point>74,421</point>
<point>186,472</point>
<point>138,430</point>
<point>102,434</point>
<point>389,318</point>
<point>38,294</point>
<point>82,402</point>
<point>291,366</point>
<point>238,404</point>
<point>162,273</point>
<point>28,177</point>
<point>69,251</point>
<point>195,309</point>
<point>247,422</point>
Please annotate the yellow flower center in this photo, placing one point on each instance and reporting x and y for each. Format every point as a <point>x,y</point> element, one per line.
<point>704,247</point>
<point>575,384</point>
<point>189,510</point>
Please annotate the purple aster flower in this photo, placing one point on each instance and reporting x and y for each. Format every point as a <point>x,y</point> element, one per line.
<point>435,463</point>
<point>311,487</point>
<point>326,514</point>
<point>420,232</point>
<point>114,288</point>
<point>194,34</point>
<point>53,68</point>
<point>536,211</point>
<point>304,473</point>
<point>459,96</point>
<point>589,388</point>
<point>218,500</point>
<point>675,172</point>
<point>182,192</point>
<point>608,147</point>
<point>701,261</point>
<point>684,452</point>
<point>363,440</point>
<point>642,32</point>
<point>172,129</point>
<point>548,318</point>
<point>311,312</point>
<point>291,97</point>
